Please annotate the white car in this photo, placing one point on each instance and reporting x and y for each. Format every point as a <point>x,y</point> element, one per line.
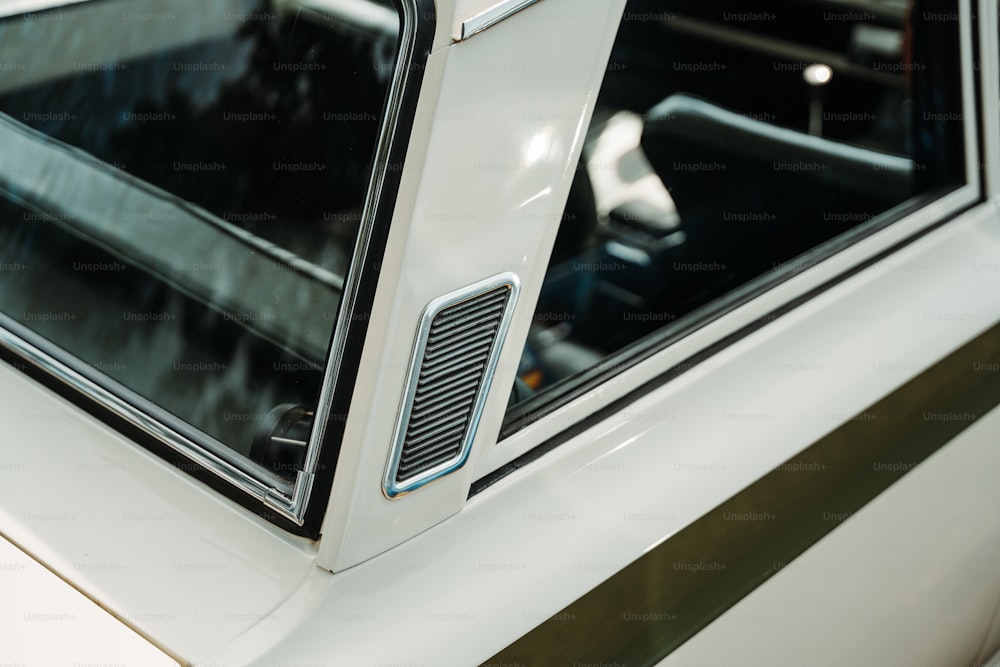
<point>506,332</point>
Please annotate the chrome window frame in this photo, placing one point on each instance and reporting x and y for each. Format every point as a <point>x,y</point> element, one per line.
<point>989,46</point>
<point>289,500</point>
<point>761,300</point>
<point>490,17</point>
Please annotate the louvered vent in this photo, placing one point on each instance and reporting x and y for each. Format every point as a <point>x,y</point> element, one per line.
<point>453,363</point>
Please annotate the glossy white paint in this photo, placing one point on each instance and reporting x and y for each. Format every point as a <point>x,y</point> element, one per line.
<point>45,621</point>
<point>537,540</point>
<point>487,574</point>
<point>910,579</point>
<point>195,573</point>
<point>486,179</point>
<point>164,554</point>
<point>530,437</point>
<point>991,643</point>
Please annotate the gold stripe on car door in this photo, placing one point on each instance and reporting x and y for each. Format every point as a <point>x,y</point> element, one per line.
<point>645,611</point>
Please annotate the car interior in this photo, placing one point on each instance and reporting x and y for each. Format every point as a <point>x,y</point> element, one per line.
<point>728,143</point>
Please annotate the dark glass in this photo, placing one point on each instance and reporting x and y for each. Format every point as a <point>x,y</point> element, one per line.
<point>731,143</point>
<point>182,186</point>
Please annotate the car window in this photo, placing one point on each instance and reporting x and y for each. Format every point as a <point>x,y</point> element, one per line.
<point>181,190</point>
<point>730,145</point>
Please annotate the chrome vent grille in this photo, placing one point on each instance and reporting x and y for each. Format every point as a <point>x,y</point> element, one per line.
<point>453,363</point>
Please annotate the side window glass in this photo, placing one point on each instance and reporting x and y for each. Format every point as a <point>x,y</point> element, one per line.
<point>181,188</point>
<point>733,144</point>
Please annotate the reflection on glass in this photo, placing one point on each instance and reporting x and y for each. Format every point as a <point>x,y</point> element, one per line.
<point>727,143</point>
<point>182,185</point>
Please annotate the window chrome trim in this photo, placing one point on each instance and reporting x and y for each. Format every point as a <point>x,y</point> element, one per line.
<point>390,487</point>
<point>726,330</point>
<point>289,500</point>
<point>518,439</point>
<point>491,17</point>
<point>349,301</point>
<point>138,411</point>
<point>989,44</point>
<point>970,105</point>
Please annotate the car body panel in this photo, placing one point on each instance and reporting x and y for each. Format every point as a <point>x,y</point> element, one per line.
<point>437,577</point>
<point>517,555</point>
<point>991,642</point>
<point>45,621</point>
<point>484,203</point>
<point>810,278</point>
<point>127,528</point>
<point>859,596</point>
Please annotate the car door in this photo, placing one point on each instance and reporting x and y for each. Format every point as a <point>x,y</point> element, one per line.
<point>868,539</point>
<point>734,392</point>
<point>765,330</point>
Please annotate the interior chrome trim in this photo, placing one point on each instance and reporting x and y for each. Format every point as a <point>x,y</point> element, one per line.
<point>491,17</point>
<point>290,501</point>
<point>390,487</point>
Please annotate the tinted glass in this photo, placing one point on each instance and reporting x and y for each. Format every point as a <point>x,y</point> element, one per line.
<point>182,185</point>
<point>732,144</point>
